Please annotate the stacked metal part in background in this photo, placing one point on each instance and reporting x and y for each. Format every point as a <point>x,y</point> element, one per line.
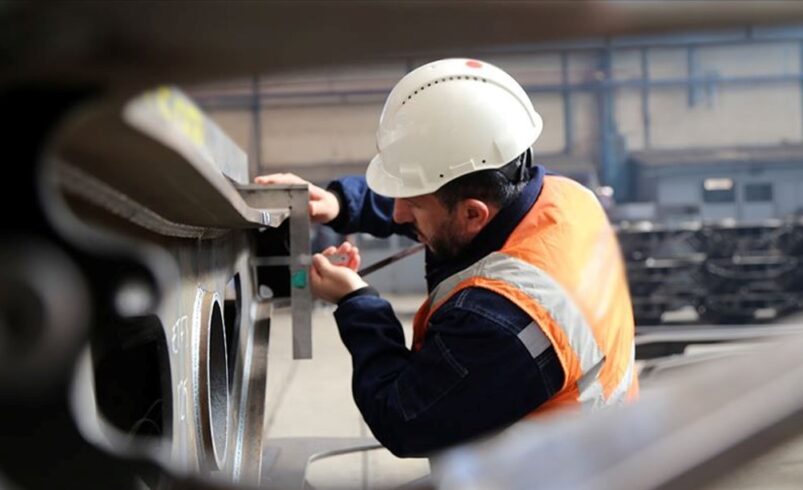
<point>725,273</point>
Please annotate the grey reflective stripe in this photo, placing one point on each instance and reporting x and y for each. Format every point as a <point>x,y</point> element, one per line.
<point>589,387</point>
<point>447,285</point>
<point>619,393</point>
<point>534,339</point>
<point>548,293</point>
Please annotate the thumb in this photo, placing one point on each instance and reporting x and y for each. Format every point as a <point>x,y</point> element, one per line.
<point>322,264</point>
<point>314,209</point>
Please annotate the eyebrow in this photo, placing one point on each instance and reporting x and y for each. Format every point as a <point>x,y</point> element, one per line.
<point>410,200</point>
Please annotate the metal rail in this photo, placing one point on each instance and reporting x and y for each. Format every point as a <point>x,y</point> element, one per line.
<point>697,426</point>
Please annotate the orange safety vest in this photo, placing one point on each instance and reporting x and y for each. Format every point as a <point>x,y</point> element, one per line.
<point>562,265</point>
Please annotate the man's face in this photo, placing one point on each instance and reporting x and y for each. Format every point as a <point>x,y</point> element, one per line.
<point>438,228</point>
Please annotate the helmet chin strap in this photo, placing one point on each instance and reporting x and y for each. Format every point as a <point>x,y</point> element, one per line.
<point>520,169</point>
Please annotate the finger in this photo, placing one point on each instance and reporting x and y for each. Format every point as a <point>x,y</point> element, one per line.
<point>279,178</point>
<point>268,179</point>
<point>313,209</point>
<point>348,252</point>
<point>317,210</point>
<point>314,275</point>
<point>354,264</point>
<point>316,193</point>
<point>330,250</point>
<point>321,264</point>
<point>315,282</point>
<point>355,258</point>
<point>344,248</point>
<point>315,263</point>
<point>263,179</point>
<point>323,205</point>
<point>316,278</point>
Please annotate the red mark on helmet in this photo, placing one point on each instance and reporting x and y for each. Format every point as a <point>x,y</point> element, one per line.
<point>473,64</point>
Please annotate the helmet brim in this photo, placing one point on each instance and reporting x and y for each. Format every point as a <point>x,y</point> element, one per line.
<point>387,185</point>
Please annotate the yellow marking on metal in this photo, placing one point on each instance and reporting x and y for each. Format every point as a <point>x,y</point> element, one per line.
<point>182,113</point>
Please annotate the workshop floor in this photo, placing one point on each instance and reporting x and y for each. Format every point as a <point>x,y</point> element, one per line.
<point>312,398</point>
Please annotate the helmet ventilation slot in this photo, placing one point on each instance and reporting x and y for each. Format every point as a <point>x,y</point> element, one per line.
<point>445,79</point>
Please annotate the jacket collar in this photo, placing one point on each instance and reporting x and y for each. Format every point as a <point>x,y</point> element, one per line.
<point>491,238</point>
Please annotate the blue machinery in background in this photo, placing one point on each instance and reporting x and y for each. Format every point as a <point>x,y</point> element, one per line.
<point>611,153</point>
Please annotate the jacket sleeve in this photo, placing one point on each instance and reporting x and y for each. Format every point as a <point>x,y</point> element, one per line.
<point>472,376</point>
<point>363,211</point>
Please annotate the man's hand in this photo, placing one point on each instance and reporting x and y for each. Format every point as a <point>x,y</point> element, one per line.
<point>331,282</point>
<point>346,255</point>
<point>323,205</point>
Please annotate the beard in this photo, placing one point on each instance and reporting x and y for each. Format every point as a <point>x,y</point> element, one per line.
<point>449,242</point>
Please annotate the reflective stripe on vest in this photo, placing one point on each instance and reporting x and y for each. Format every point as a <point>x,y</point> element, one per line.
<point>562,266</point>
<point>536,284</point>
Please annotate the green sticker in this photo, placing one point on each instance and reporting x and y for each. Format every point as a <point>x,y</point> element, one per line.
<point>299,279</point>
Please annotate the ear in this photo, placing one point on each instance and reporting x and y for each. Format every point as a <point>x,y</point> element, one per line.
<point>475,215</point>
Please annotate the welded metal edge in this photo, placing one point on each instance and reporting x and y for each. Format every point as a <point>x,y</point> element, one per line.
<point>205,303</point>
<point>250,383</point>
<point>133,149</point>
<point>247,465</point>
<point>81,184</point>
<point>167,115</point>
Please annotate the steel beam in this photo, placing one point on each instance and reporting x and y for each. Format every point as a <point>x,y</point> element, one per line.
<point>694,427</point>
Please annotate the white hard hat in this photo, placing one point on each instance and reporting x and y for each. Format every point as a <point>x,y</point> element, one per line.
<point>446,119</point>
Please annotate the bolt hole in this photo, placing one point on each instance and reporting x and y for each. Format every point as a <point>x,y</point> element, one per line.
<point>217,392</point>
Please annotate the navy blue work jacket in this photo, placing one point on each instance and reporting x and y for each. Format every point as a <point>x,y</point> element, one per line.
<point>473,375</point>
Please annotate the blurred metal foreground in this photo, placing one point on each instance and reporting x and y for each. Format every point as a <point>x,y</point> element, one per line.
<point>135,323</point>
<point>698,425</point>
<point>132,45</point>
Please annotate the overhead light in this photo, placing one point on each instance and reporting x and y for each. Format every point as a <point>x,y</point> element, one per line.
<point>720,184</point>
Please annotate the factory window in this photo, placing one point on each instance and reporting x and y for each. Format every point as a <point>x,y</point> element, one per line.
<point>718,190</point>
<point>758,192</point>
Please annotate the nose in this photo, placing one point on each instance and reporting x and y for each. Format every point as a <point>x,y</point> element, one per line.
<point>401,211</point>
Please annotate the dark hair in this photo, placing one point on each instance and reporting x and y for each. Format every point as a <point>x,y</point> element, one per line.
<point>493,186</point>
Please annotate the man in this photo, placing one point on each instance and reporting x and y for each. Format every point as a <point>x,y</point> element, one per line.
<point>528,309</point>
